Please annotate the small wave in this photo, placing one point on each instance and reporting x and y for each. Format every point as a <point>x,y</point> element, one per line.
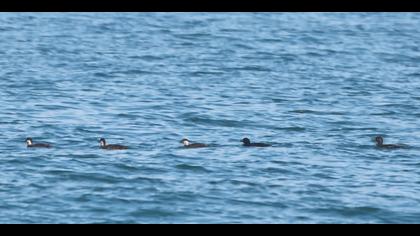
<point>153,213</point>
<point>292,128</point>
<point>204,73</point>
<point>192,168</point>
<point>305,111</point>
<point>350,211</point>
<point>149,57</point>
<point>223,123</point>
<point>274,170</point>
<point>133,72</point>
<point>279,100</point>
<point>103,75</point>
<point>250,68</point>
<point>196,36</point>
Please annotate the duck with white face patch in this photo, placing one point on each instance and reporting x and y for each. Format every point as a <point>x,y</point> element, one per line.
<point>31,144</point>
<point>188,144</point>
<point>103,145</point>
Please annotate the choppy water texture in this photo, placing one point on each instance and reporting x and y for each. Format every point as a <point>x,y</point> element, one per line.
<point>318,86</point>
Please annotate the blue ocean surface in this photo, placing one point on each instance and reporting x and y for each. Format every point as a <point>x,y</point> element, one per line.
<point>317,86</point>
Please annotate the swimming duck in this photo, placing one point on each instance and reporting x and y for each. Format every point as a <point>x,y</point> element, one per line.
<point>187,144</point>
<point>247,143</point>
<point>380,143</point>
<point>31,144</point>
<point>111,146</point>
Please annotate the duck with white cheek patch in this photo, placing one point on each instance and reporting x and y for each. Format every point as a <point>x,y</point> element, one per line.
<point>188,144</point>
<point>103,145</point>
<point>31,144</point>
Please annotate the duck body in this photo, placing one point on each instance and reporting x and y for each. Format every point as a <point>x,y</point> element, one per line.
<point>187,144</point>
<point>31,144</point>
<point>380,144</point>
<point>247,143</point>
<point>103,145</point>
